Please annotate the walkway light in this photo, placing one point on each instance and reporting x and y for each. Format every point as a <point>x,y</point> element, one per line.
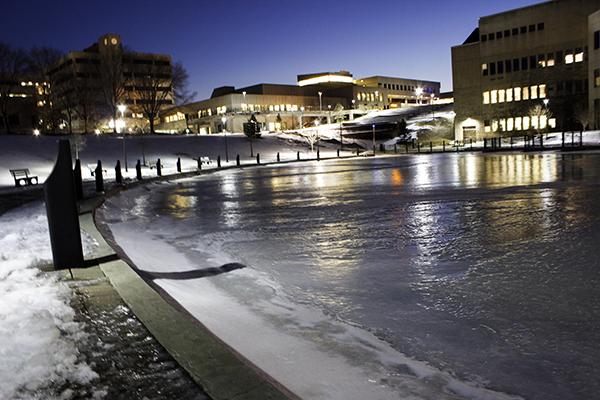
<point>36,132</point>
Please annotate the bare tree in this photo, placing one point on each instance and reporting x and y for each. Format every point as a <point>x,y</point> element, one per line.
<point>13,64</point>
<point>86,107</point>
<point>537,113</point>
<point>151,90</point>
<point>112,81</point>
<point>312,137</point>
<point>181,91</point>
<point>583,117</point>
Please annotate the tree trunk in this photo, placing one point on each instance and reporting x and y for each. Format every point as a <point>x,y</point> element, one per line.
<point>151,122</point>
<point>115,120</point>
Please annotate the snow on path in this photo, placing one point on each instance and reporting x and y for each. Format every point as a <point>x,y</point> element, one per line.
<point>38,334</point>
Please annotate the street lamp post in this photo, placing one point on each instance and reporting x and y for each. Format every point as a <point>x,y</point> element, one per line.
<point>320,101</point>
<point>244,94</point>
<point>373,139</point>
<point>224,121</point>
<point>317,123</point>
<point>122,108</point>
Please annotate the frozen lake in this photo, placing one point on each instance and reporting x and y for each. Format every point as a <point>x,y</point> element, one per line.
<point>445,276</point>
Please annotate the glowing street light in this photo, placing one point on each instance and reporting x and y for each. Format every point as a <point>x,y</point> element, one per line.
<point>546,101</point>
<point>36,132</point>
<point>419,93</point>
<point>244,94</point>
<point>320,101</point>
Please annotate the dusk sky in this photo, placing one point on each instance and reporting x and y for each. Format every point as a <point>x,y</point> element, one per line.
<point>239,43</point>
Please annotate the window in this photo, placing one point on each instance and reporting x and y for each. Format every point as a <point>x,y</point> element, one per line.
<point>560,87</point>
<point>532,28</point>
<point>569,58</point>
<point>525,123</point>
<point>508,66</point>
<point>507,33</point>
<point>509,95</point>
<point>532,62</point>
<point>501,96</point>
<point>524,63</point>
<point>494,96</point>
<point>578,55</point>
<point>499,35</point>
<point>559,56</point>
<point>552,122</point>
<point>540,26</point>
<point>542,91</point>
<point>493,69</point>
<point>533,92</point>
<point>484,69</point>
<point>525,93</point>
<point>596,40</point>
<point>484,38</point>
<point>541,60</point>
<point>543,121</point>
<point>486,97</point>
<point>510,124</point>
<point>515,31</point>
<point>491,36</point>
<point>517,96</point>
<point>503,125</point>
<point>523,29</point>
<point>596,77</point>
<point>534,122</point>
<point>495,125</point>
<point>516,65</point>
<point>518,123</point>
<point>486,126</point>
<point>550,60</point>
<point>500,67</point>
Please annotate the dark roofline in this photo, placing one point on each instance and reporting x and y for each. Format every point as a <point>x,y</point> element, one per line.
<point>543,4</point>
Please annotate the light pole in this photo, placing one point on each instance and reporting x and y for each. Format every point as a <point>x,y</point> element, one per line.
<point>301,117</point>
<point>224,121</point>
<point>244,94</point>
<point>329,111</point>
<point>122,108</point>
<point>317,123</point>
<point>376,98</point>
<point>320,101</point>
<point>373,139</point>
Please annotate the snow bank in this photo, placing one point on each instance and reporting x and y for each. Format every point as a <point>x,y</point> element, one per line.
<point>38,334</point>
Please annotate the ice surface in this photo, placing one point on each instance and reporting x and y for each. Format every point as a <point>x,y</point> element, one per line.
<point>38,336</point>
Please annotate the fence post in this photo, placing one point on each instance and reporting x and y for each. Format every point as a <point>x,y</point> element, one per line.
<point>138,170</point>
<point>318,155</point>
<point>118,175</point>
<point>279,158</point>
<point>237,160</point>
<point>158,168</point>
<point>471,143</point>
<point>395,148</point>
<point>258,158</point>
<point>218,161</point>
<point>443,146</point>
<point>338,153</point>
<point>298,155</point>
<point>178,164</point>
<point>542,141</point>
<point>484,144</point>
<point>78,179</point>
<point>199,161</point>
<point>562,142</point>
<point>511,142</point>
<point>572,139</point>
<point>580,138</point>
<point>419,147</point>
<point>431,147</point>
<point>357,152</point>
<point>99,177</point>
<point>406,146</point>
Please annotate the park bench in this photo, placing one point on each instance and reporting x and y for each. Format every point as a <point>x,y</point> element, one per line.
<point>22,177</point>
<point>92,168</point>
<point>204,160</point>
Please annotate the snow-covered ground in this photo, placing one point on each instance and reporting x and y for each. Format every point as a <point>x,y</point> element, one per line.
<point>39,338</point>
<point>39,153</point>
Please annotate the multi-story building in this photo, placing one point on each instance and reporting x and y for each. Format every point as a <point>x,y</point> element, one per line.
<point>529,69</point>
<point>103,76</point>
<point>23,102</point>
<point>321,96</point>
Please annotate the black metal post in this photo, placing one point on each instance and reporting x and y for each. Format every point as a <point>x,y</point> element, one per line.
<point>318,155</point>
<point>338,153</point>
<point>237,160</point>
<point>298,155</point>
<point>431,147</point>
<point>178,164</point>
<point>279,158</point>
<point>218,161</point>
<point>118,175</point>
<point>199,161</point>
<point>138,170</point>
<point>78,179</point>
<point>99,177</point>
<point>158,168</point>
<point>443,146</point>
<point>258,158</point>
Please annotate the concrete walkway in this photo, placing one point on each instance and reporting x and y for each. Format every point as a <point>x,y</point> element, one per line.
<point>217,368</point>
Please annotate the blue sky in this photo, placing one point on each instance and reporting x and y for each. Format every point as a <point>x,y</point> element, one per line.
<point>239,43</point>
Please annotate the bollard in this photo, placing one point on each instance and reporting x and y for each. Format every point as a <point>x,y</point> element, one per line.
<point>178,164</point>
<point>431,147</point>
<point>61,210</point>
<point>562,141</point>
<point>443,146</point>
<point>511,142</point>
<point>78,179</point>
<point>500,142</point>
<point>158,168</point>
<point>218,161</point>
<point>318,155</point>
<point>419,148</point>
<point>138,170</point>
<point>580,138</point>
<point>237,160</point>
<point>471,143</point>
<point>258,158</point>
<point>199,160</point>
<point>99,177</point>
<point>338,153</point>
<point>406,146</point>
<point>298,156</point>
<point>572,139</point>
<point>357,152</point>
<point>118,175</point>
<point>484,144</point>
<point>395,148</point>
<point>373,150</point>
<point>542,141</point>
<point>278,158</point>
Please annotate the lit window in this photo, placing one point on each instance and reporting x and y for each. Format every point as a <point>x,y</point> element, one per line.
<point>542,91</point>
<point>503,125</point>
<point>486,97</point>
<point>501,95</point>
<point>579,56</point>
<point>550,60</point>
<point>484,69</point>
<point>552,122</point>
<point>495,125</point>
<point>534,122</point>
<point>518,123</point>
<point>510,124</point>
<point>509,95</point>
<point>517,94</point>
<point>533,94</point>
<point>569,57</point>
<point>486,126</point>
<point>494,94</point>
<point>543,121</point>
<point>525,123</point>
<point>525,93</point>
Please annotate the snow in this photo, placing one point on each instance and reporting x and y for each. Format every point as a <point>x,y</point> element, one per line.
<point>38,154</point>
<point>38,335</point>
